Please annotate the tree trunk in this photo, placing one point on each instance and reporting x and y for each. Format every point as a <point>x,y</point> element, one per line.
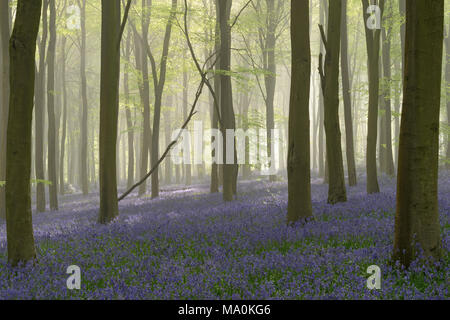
<point>387,114</point>
<point>159,88</point>
<point>147,133</point>
<point>109,107</point>
<point>349,144</point>
<point>226,97</point>
<point>22,51</point>
<point>39,116</point>
<point>447,81</point>
<point>51,160</point>
<point>4,102</point>
<point>330,86</point>
<point>373,53</point>
<point>130,131</point>
<point>187,166</point>
<point>84,111</point>
<point>298,163</point>
<point>417,216</point>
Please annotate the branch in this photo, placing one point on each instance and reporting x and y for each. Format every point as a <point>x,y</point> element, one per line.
<point>322,76</point>
<point>124,22</point>
<point>239,13</point>
<point>324,38</point>
<point>170,146</point>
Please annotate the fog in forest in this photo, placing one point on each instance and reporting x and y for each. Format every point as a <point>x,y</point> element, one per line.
<point>229,132</point>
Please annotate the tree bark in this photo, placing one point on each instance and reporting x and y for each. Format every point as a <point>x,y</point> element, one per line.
<point>22,51</point>
<point>417,217</point>
<point>4,102</point>
<point>226,97</point>
<point>130,132</point>
<point>298,163</point>
<point>330,87</point>
<point>349,144</point>
<point>51,135</point>
<point>109,107</point>
<point>373,53</point>
<point>84,106</point>
<point>39,116</point>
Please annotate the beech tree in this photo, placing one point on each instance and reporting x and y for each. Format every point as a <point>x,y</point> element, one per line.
<point>417,216</point>
<point>4,102</point>
<point>109,109</point>
<point>330,87</point>
<point>298,166</point>
<point>22,51</point>
<point>373,64</point>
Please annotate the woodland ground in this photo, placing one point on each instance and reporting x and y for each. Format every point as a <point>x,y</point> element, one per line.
<point>190,245</point>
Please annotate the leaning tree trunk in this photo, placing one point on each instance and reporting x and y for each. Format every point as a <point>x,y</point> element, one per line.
<point>51,135</point>
<point>22,51</point>
<point>330,87</point>
<point>417,216</point>
<point>349,144</point>
<point>109,109</point>
<point>298,164</point>
<point>373,53</point>
<point>4,102</point>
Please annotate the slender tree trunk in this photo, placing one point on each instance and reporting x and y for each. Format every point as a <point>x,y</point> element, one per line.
<point>187,166</point>
<point>373,53</point>
<point>298,164</point>
<point>168,139</point>
<point>417,216</point>
<point>22,51</point>
<point>447,81</point>
<point>109,107</point>
<point>147,133</point>
<point>321,157</point>
<point>84,106</point>
<point>159,88</point>
<point>4,102</point>
<point>330,86</point>
<point>39,116</point>
<point>351,167</point>
<point>130,131</point>
<point>51,160</point>
<point>387,115</point>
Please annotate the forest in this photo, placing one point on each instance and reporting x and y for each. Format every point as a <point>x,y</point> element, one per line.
<point>224,149</point>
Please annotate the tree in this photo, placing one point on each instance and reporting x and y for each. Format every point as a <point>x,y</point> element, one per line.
<point>330,87</point>
<point>39,115</point>
<point>51,162</point>
<point>64,117</point>
<point>299,171</point>
<point>4,102</point>
<point>226,97</point>
<point>83,170</point>
<point>109,108</point>
<point>22,51</point>
<point>386,157</point>
<point>159,82</point>
<point>349,144</point>
<point>373,63</point>
<point>130,133</point>
<point>447,82</point>
<point>417,217</point>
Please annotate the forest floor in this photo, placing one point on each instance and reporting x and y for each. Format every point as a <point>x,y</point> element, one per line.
<point>188,244</point>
